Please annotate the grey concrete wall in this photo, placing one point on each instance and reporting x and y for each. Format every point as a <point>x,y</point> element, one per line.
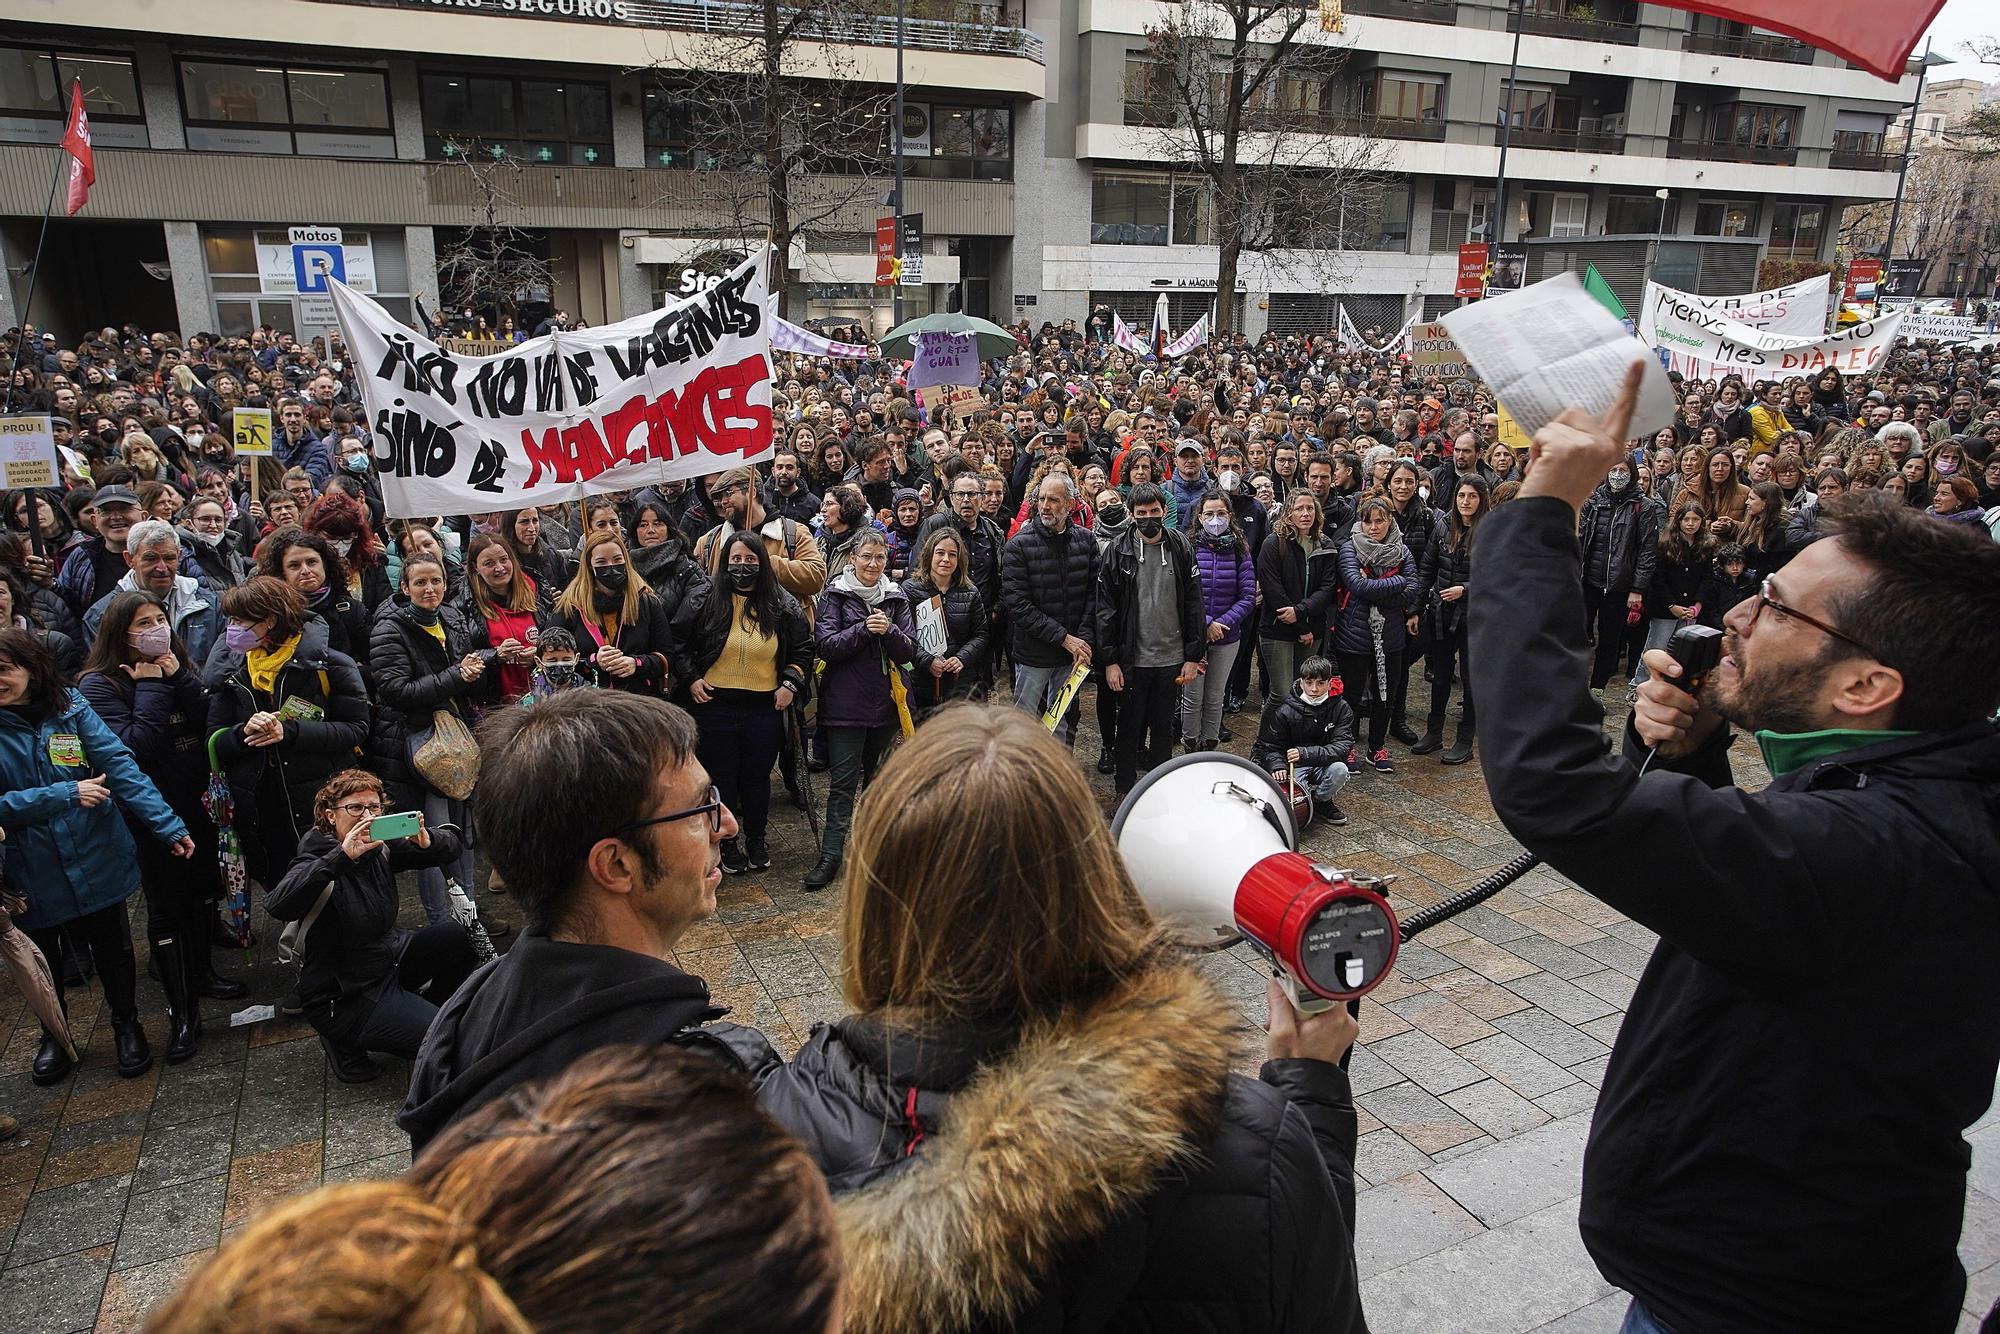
<point>420,251</point>
<point>190,276</point>
<point>159,95</point>
<point>406,110</point>
<point>628,120</point>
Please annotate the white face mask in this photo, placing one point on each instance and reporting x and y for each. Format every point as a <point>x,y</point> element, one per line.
<point>343,545</point>
<point>1314,698</point>
<point>1230,480</point>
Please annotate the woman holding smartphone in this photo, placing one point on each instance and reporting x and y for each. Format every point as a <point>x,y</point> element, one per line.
<point>362,973</point>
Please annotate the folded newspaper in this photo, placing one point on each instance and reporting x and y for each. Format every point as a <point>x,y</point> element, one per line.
<point>1552,346</point>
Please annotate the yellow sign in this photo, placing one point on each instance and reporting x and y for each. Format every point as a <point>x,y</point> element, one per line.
<point>1052,717</point>
<point>252,431</point>
<point>28,453</point>
<point>1511,433</point>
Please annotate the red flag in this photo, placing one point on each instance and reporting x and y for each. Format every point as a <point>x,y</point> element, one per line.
<point>1875,36</point>
<point>76,143</point>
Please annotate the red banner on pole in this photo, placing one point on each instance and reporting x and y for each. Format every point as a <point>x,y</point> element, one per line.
<point>1471,270</point>
<point>76,143</point>
<point>886,267</point>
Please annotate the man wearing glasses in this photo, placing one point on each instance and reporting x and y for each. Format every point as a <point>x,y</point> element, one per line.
<point>609,833</point>
<point>796,560</point>
<point>1778,1140</point>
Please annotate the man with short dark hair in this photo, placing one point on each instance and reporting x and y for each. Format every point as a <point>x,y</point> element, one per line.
<point>1151,631</point>
<point>294,444</point>
<point>1778,1141</point>
<point>608,832</point>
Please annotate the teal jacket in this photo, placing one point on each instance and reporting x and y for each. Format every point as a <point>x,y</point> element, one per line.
<point>67,860</point>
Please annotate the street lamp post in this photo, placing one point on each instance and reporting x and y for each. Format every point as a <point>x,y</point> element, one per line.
<point>896,200</point>
<point>1496,230</point>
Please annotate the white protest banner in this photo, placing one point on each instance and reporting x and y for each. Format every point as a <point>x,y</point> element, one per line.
<point>1192,337</point>
<point>1671,320</point>
<point>1433,354</point>
<point>1941,328</point>
<point>680,392</point>
<point>789,337</point>
<point>28,454</point>
<point>1860,347</point>
<point>1353,339</point>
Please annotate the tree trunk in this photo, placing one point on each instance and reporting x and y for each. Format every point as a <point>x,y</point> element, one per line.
<point>1228,247</point>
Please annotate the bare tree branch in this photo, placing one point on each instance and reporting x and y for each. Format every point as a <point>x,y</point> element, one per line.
<point>1251,101</point>
<point>493,262</point>
<point>781,135</point>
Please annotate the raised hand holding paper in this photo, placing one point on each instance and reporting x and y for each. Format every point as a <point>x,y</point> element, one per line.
<point>1551,346</point>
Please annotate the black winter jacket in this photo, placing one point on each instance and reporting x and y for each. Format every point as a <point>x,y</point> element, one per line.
<point>701,631</point>
<point>967,637</point>
<point>1048,584</point>
<point>1770,1150</point>
<point>647,637</point>
<point>314,748</point>
<point>1143,1187</point>
<point>985,542</point>
<point>348,632</point>
<point>1447,564</point>
<point>1620,539</point>
<point>671,573</point>
<point>415,676</point>
<point>537,1008</point>
<point>351,952</point>
<point>1677,583</point>
<point>1117,637</point>
<point>1288,577</point>
<point>1323,734</point>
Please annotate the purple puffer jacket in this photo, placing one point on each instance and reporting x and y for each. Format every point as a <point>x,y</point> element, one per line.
<point>1228,585</point>
<point>854,692</point>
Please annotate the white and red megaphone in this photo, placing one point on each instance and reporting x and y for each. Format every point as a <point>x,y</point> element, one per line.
<point>1210,842</point>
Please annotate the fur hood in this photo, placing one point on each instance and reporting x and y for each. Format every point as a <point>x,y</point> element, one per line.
<point>1037,1153</point>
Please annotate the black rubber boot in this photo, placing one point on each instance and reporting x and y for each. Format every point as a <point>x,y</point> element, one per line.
<point>197,950</point>
<point>1432,740</point>
<point>183,1006</point>
<point>1461,746</point>
<point>135,1054</point>
<point>1401,730</point>
<point>823,874</point>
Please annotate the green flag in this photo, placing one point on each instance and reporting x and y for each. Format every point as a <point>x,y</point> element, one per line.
<point>1593,283</point>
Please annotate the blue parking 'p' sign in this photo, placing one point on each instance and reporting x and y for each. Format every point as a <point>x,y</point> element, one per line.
<point>313,264</point>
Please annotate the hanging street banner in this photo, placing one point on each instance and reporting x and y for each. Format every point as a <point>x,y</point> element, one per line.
<point>1675,322</point>
<point>1725,345</point>
<point>885,251</point>
<point>677,393</point>
<point>1471,271</point>
<point>910,250</point>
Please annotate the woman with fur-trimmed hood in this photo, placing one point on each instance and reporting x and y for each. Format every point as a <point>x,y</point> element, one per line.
<point>1029,1123</point>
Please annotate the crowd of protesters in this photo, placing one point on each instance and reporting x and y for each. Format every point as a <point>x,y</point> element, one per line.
<point>1288,522</point>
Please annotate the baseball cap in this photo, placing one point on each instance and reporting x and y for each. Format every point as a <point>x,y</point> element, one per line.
<point>115,495</point>
<point>1187,446</point>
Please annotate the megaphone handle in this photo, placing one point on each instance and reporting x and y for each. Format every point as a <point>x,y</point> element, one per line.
<point>1302,1000</point>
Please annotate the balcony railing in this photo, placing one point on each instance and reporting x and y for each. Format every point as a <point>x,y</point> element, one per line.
<point>1850,159</point>
<point>1750,48</point>
<point>1415,11</point>
<point>1567,141</point>
<point>1754,153</point>
<point>1619,32</point>
<point>963,25</point>
<point>1334,122</point>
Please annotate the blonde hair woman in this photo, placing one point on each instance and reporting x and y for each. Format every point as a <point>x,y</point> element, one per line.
<point>620,625</point>
<point>1030,1120</point>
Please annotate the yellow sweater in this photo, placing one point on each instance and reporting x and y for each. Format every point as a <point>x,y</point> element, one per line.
<point>749,659</point>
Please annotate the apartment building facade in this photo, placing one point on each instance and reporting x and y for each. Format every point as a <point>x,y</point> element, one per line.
<point>223,126</point>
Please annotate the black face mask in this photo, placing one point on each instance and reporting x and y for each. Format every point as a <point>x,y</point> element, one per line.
<point>1149,527</point>
<point>1112,514</point>
<point>612,577</point>
<point>743,578</point>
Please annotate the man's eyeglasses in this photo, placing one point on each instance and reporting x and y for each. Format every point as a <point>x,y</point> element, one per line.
<point>1765,599</point>
<point>712,808</point>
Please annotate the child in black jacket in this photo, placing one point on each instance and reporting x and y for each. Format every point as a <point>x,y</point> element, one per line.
<point>1729,585</point>
<point>1311,732</point>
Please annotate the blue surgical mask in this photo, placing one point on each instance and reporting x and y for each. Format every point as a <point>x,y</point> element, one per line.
<point>357,463</point>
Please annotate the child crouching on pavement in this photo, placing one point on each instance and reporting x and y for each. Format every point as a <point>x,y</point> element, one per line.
<point>1309,731</point>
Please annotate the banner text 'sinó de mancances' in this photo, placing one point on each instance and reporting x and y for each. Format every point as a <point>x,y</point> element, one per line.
<point>677,393</point>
